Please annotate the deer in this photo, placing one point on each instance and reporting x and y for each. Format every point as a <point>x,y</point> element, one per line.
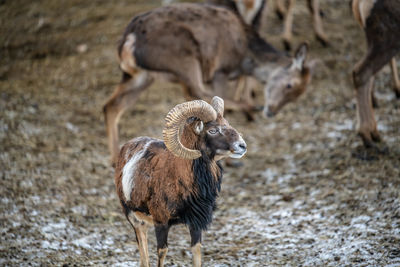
<point>200,46</point>
<point>380,20</point>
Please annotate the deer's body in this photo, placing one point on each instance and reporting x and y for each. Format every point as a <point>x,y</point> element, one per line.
<point>381,22</point>
<point>166,38</point>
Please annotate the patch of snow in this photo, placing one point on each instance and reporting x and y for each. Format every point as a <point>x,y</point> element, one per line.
<point>53,227</point>
<point>80,209</point>
<point>383,128</point>
<point>269,174</point>
<point>389,96</point>
<point>334,135</point>
<point>50,245</point>
<point>72,128</point>
<point>296,125</point>
<point>126,264</point>
<point>270,126</point>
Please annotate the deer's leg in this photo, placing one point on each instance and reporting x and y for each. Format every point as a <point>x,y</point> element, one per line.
<point>374,100</point>
<point>248,95</point>
<point>311,8</point>
<point>317,23</point>
<point>140,228</point>
<point>288,24</point>
<point>366,120</point>
<point>220,85</point>
<point>240,87</point>
<point>196,246</point>
<point>363,81</point>
<point>280,9</point>
<point>162,243</point>
<point>186,92</point>
<point>243,90</point>
<point>124,95</point>
<point>395,77</point>
<point>192,78</point>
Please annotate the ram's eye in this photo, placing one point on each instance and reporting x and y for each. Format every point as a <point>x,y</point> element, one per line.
<point>212,131</point>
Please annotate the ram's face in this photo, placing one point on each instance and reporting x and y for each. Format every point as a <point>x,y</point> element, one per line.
<point>222,140</point>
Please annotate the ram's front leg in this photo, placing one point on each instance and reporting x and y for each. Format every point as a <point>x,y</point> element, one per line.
<point>196,246</point>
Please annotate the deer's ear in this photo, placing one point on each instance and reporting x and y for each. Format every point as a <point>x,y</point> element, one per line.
<point>198,127</point>
<point>300,56</point>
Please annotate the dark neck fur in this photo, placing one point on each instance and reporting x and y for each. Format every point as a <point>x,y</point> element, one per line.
<point>199,206</point>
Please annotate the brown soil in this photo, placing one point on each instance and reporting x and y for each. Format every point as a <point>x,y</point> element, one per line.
<point>308,194</point>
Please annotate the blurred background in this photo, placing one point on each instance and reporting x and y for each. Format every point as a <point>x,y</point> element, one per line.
<point>308,194</point>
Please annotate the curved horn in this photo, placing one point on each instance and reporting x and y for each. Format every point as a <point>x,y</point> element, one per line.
<point>218,104</point>
<point>177,117</point>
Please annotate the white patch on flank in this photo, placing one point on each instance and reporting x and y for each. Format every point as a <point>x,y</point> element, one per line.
<point>127,60</point>
<point>128,172</point>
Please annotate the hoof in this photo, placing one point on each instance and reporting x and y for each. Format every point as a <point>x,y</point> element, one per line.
<point>375,136</point>
<point>322,40</point>
<point>370,139</point>
<point>249,116</point>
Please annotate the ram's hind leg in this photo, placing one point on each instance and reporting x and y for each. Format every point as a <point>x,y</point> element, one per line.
<point>141,228</point>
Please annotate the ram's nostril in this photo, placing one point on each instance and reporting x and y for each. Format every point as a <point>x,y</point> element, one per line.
<point>243,146</point>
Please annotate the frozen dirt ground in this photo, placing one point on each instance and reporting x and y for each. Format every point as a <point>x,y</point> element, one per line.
<point>308,194</point>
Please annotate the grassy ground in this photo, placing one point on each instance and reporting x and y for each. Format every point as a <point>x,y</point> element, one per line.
<point>308,194</point>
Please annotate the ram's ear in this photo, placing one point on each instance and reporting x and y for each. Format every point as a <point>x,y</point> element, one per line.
<point>198,127</point>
